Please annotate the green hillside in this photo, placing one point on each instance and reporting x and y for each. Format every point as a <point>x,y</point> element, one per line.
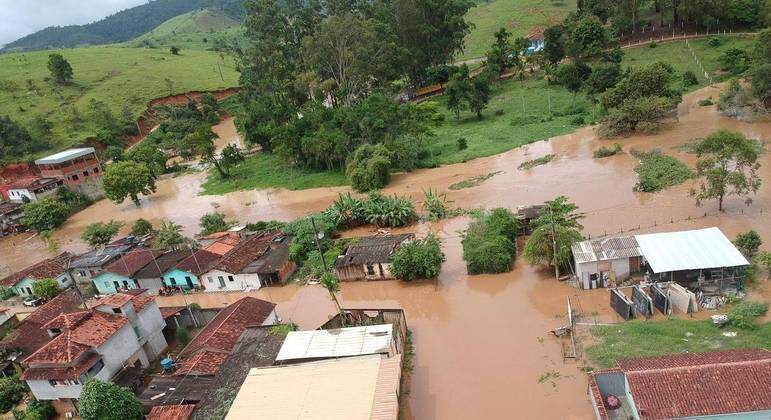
<point>118,76</point>
<point>195,29</point>
<point>518,16</point>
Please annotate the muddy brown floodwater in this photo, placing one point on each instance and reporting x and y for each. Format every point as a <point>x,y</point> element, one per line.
<point>481,341</point>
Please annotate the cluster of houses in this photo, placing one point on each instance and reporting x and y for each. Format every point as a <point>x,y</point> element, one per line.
<point>78,169</point>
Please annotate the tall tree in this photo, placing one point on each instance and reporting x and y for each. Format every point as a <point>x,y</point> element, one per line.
<point>554,44</point>
<point>554,232</point>
<point>127,179</point>
<point>169,235</point>
<point>100,233</point>
<point>458,90</point>
<point>498,57</point>
<point>107,401</point>
<point>45,214</point>
<point>479,96</point>
<point>60,68</point>
<point>727,164</point>
<point>572,76</point>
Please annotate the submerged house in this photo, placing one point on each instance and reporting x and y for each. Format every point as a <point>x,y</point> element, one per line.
<point>33,189</point>
<point>52,268</point>
<point>121,274</point>
<point>151,275</point>
<point>84,267</point>
<point>370,257</point>
<point>732,384</point>
<point>239,268</point>
<point>702,258</point>
<point>186,274</point>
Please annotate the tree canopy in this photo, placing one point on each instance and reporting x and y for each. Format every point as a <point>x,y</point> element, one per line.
<point>60,68</point>
<point>127,179</point>
<point>100,233</point>
<point>107,401</point>
<point>554,231</point>
<point>419,259</point>
<point>44,214</point>
<point>45,288</point>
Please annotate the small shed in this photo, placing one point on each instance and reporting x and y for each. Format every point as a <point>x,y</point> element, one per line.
<point>370,257</point>
<point>606,262</point>
<point>344,342</point>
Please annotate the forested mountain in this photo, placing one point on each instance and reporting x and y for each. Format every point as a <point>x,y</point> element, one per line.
<point>121,26</point>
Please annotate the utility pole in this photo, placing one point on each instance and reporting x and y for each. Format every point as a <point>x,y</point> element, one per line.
<point>318,245</point>
<point>554,243</point>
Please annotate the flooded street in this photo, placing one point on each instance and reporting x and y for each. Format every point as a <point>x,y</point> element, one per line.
<point>481,341</point>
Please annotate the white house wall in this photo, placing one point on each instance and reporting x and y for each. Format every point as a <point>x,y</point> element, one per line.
<point>120,350</point>
<point>43,390</point>
<point>240,281</point>
<point>272,319</point>
<point>150,323</point>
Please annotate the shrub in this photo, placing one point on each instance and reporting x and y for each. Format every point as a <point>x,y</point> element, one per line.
<point>183,336</point>
<point>745,314</point>
<point>141,227</point>
<point>36,410</point>
<point>262,225</point>
<point>645,112</point>
<point>489,244</point>
<point>346,212</point>
<point>706,102</point>
<point>420,259</point>
<point>656,172</point>
<point>689,78</point>
<point>11,392</point>
<point>749,243</point>
<point>369,167</point>
<point>653,45</point>
<point>462,145</point>
<point>45,288</point>
<point>303,241</point>
<point>579,120</point>
<point>499,112</point>
<point>213,222</point>
<point>100,233</point>
<point>735,60</point>
<point>6,293</point>
<point>389,211</point>
<point>530,164</point>
<point>607,151</point>
<point>435,204</point>
<point>714,42</point>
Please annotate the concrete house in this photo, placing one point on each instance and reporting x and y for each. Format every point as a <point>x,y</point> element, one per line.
<point>186,274</point>
<point>10,218</point>
<point>120,275</point>
<point>33,189</point>
<point>370,257</point>
<point>238,269</point>
<point>121,330</point>
<point>53,268</point>
<point>701,257</point>
<point>150,276</point>
<point>84,267</point>
<point>78,168</point>
<point>732,384</point>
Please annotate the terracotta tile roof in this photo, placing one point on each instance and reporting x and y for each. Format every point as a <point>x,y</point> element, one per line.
<point>141,301</point>
<point>225,236</point>
<point>700,384</point>
<point>50,268</point>
<point>67,321</point>
<point>205,362</point>
<point>162,264</point>
<point>33,183</point>
<point>61,373</point>
<point>199,262</point>
<point>171,311</point>
<point>171,412</point>
<point>61,350</point>
<point>138,297</point>
<point>30,334</point>
<point>245,253</point>
<point>97,329</point>
<point>222,333</point>
<point>132,262</point>
<point>219,248</point>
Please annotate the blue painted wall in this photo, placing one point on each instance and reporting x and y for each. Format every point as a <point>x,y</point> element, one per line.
<point>104,282</point>
<point>179,277</point>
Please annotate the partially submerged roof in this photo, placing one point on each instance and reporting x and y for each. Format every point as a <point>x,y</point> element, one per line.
<point>246,252</point>
<point>99,257</point>
<point>342,342</point>
<point>273,260</point>
<point>606,249</point>
<point>372,249</point>
<point>130,263</point>
<point>49,268</point>
<point>65,155</point>
<point>355,388</point>
<point>689,250</point>
<point>199,262</point>
<point>218,338</point>
<point>158,266</point>
<point>700,384</point>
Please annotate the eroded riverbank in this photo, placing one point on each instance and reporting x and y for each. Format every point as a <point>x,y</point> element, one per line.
<point>481,341</point>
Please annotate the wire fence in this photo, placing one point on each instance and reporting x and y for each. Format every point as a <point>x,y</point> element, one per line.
<point>656,223</point>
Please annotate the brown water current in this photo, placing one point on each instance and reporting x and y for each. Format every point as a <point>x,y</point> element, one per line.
<point>481,342</point>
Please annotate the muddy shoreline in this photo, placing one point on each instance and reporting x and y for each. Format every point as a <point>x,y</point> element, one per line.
<point>481,341</point>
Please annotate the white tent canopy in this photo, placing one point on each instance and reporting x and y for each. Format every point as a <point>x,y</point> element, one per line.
<point>689,250</point>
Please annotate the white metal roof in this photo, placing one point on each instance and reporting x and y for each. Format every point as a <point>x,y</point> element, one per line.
<point>343,342</point>
<point>64,156</point>
<point>689,250</point>
<point>349,389</point>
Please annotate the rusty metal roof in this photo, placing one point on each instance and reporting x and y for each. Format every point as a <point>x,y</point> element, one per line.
<point>606,249</point>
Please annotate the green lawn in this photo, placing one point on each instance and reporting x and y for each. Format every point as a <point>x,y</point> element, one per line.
<point>269,171</point>
<point>113,74</point>
<point>679,56</point>
<point>518,16</point>
<point>653,338</point>
<point>515,127</point>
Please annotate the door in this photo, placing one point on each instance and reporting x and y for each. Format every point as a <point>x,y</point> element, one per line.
<point>116,284</point>
<point>634,264</point>
<point>29,291</point>
<point>222,281</point>
<point>189,282</point>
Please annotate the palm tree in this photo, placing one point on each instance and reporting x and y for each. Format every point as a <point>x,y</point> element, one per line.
<point>332,284</point>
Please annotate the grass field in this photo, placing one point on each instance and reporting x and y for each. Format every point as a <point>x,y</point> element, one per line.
<point>679,56</point>
<point>518,16</point>
<point>270,171</point>
<point>196,29</point>
<point>653,338</point>
<point>516,126</point>
<point>118,76</point>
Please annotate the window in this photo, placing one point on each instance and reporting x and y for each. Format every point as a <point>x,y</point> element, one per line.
<point>173,281</point>
<point>52,382</point>
<point>107,284</point>
<point>74,177</point>
<point>125,284</point>
<point>370,270</point>
<point>96,170</point>
<point>85,173</point>
<point>82,273</point>
<point>211,280</point>
<point>116,311</point>
<point>230,278</point>
<point>93,370</point>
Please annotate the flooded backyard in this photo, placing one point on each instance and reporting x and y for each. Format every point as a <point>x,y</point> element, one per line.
<point>481,342</point>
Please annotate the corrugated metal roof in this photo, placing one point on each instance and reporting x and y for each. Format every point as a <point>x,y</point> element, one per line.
<point>65,155</point>
<point>343,342</point>
<point>606,249</point>
<point>689,250</point>
<point>385,405</point>
<point>325,390</point>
